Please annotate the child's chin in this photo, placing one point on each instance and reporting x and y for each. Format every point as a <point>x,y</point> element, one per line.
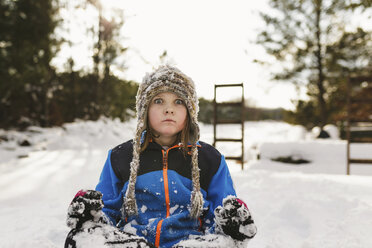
<point>169,134</point>
<point>169,131</point>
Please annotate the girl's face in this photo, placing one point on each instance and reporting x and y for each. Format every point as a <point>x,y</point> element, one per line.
<point>167,116</point>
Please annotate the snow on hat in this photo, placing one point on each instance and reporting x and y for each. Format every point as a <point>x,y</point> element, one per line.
<point>165,79</point>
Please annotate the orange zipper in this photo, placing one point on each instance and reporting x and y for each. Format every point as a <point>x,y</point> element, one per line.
<point>158,230</point>
<point>166,191</point>
<point>165,177</point>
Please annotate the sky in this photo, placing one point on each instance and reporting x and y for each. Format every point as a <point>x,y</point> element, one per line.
<point>212,41</point>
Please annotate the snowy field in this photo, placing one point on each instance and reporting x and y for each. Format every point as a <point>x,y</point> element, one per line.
<point>300,206</point>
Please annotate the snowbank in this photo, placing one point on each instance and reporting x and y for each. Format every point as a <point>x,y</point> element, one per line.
<point>325,156</point>
<point>306,205</point>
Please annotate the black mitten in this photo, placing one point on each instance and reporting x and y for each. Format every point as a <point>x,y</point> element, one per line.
<point>86,205</point>
<point>234,219</point>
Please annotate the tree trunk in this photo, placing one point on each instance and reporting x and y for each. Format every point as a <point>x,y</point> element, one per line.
<point>320,81</point>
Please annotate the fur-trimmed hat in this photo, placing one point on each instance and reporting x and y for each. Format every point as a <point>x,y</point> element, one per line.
<point>165,79</point>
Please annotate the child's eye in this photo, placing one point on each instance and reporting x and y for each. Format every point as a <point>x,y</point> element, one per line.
<point>158,101</point>
<point>179,101</point>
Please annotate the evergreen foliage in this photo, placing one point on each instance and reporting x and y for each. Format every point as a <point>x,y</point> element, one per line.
<point>32,92</point>
<point>309,40</point>
<point>27,45</point>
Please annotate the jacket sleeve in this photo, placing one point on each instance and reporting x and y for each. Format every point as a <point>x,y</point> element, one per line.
<point>220,186</point>
<point>110,187</point>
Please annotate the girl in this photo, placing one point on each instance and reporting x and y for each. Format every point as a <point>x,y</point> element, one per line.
<point>164,188</point>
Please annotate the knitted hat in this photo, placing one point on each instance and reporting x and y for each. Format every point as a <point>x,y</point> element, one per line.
<point>165,79</point>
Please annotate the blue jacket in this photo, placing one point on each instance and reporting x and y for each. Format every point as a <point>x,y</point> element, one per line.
<point>163,191</point>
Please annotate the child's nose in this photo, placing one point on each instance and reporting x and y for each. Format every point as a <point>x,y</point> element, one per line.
<point>169,110</point>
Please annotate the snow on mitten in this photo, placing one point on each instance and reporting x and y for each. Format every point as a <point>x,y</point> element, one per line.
<point>234,219</point>
<point>86,205</point>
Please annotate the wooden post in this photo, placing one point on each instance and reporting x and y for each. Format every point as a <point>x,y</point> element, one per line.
<point>214,117</point>
<point>356,120</point>
<point>243,118</point>
<point>348,102</point>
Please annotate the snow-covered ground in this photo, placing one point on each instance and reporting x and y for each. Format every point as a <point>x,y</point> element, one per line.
<point>300,206</point>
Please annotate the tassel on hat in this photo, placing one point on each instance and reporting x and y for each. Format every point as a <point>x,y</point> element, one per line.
<point>165,79</point>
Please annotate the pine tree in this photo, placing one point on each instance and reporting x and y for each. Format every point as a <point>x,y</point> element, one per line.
<point>27,47</point>
<point>300,35</point>
<point>350,56</point>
